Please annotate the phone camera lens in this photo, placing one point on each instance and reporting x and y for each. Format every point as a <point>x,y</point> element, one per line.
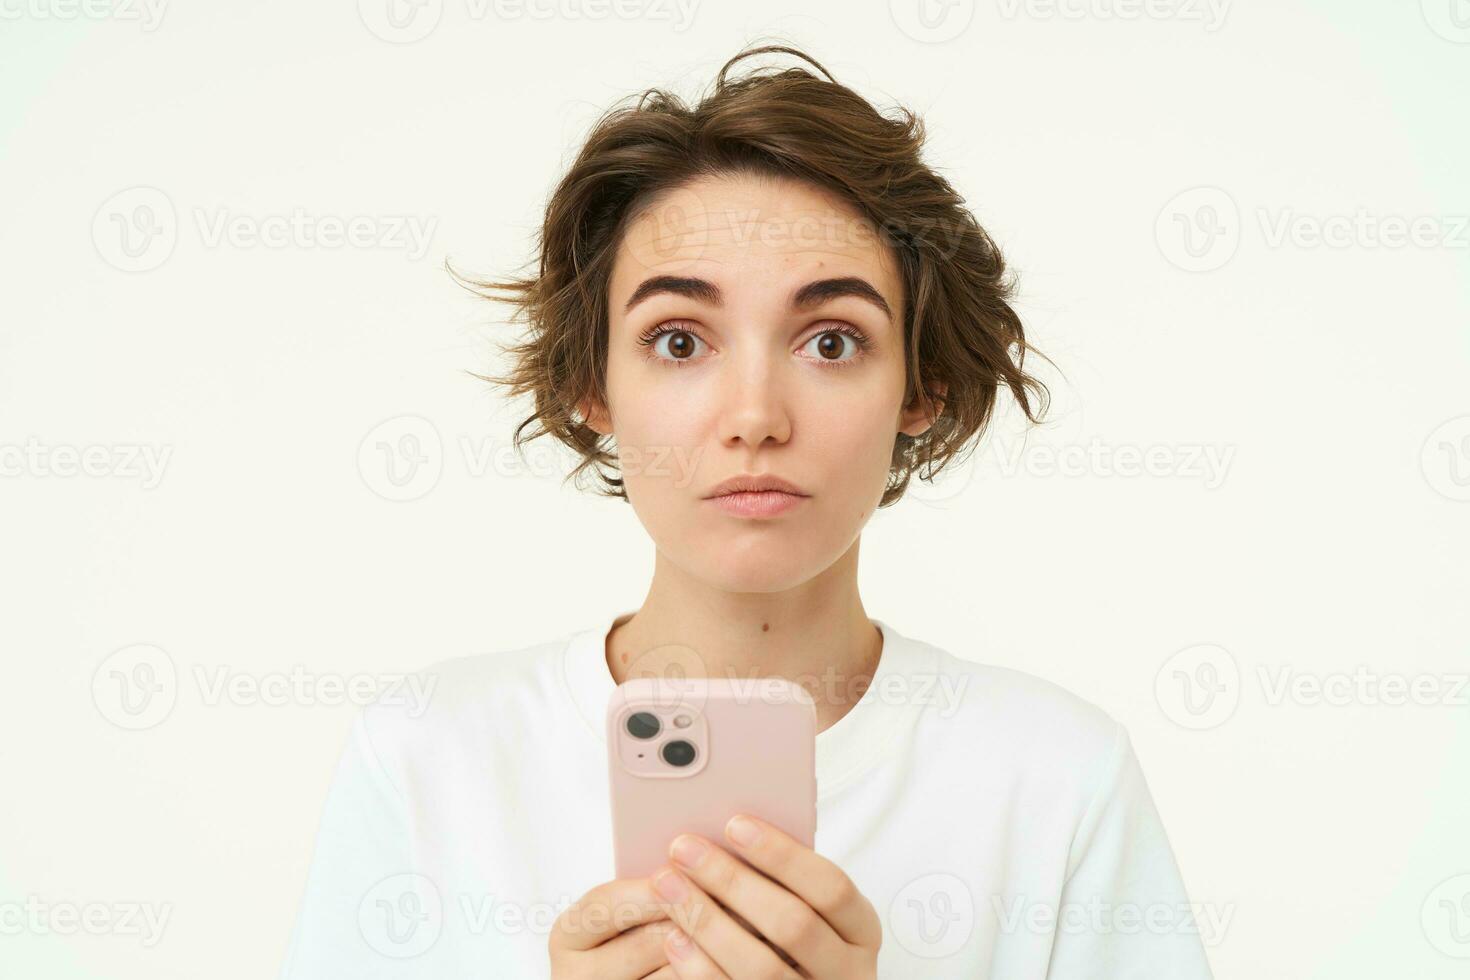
<point>641,724</point>
<point>678,752</point>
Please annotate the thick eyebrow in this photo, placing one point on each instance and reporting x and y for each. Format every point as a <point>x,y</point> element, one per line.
<point>697,289</point>
<point>813,294</point>
<point>819,291</point>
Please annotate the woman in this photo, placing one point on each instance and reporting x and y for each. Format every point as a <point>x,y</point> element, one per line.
<point>777,314</point>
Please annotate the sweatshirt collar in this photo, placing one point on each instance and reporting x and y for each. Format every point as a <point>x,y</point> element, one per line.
<point>859,740</point>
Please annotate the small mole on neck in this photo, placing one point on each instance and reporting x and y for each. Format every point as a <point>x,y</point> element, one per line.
<point>765,626</point>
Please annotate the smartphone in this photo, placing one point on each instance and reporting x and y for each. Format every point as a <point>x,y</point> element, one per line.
<point>687,754</point>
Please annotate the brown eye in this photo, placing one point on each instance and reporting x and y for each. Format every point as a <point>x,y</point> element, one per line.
<point>834,346</point>
<point>669,344</point>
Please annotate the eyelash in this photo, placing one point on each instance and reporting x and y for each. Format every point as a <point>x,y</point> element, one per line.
<point>649,337</point>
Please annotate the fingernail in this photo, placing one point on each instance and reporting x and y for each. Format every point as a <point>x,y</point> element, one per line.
<point>670,886</point>
<point>678,944</point>
<point>743,831</point>
<point>687,850</point>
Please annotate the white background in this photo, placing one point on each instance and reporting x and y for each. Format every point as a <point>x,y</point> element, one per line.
<point>1329,378</point>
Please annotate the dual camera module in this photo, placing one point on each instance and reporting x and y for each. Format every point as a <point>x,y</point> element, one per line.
<point>676,752</point>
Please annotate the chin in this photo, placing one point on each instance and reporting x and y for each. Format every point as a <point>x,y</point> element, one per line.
<point>754,580</point>
<point>763,563</point>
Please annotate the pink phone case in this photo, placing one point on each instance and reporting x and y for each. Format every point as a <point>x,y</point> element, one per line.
<point>752,749</point>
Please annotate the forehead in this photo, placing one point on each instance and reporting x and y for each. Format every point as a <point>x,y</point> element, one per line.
<point>753,232</point>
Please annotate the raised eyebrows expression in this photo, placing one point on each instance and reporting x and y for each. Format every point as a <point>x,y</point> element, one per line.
<point>808,297</point>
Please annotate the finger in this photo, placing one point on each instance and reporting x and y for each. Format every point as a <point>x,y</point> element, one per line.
<point>745,924</point>
<point>605,911</point>
<point>634,953</point>
<point>770,908</point>
<point>741,921</point>
<point>729,945</point>
<point>810,877</point>
<point>665,972</point>
<point>688,961</point>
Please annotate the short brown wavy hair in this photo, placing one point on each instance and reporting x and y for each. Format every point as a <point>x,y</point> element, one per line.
<point>962,339</point>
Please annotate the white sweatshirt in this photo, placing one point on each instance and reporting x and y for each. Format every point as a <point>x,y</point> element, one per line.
<point>1000,825</point>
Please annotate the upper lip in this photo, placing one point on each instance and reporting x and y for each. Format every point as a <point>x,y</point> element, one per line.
<point>754,483</point>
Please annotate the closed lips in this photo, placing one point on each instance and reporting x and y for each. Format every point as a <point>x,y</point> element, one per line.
<point>756,484</point>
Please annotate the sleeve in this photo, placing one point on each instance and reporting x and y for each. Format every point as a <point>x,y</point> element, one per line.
<point>1124,913</point>
<point>367,913</point>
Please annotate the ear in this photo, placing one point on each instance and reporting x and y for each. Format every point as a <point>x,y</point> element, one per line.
<point>916,417</point>
<point>594,416</point>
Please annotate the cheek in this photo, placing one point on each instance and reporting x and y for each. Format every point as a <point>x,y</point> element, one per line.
<point>650,406</point>
<point>660,430</point>
<point>852,429</point>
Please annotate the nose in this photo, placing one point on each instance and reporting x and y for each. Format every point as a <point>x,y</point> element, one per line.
<point>753,404</point>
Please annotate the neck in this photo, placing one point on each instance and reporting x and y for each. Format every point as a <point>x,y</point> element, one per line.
<point>816,635</point>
